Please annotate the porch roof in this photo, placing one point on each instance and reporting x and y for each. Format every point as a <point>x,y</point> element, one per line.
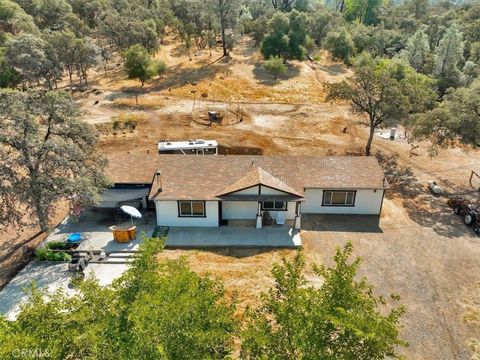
<point>256,197</point>
<point>258,176</point>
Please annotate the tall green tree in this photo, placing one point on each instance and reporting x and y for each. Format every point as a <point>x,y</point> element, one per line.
<point>46,154</point>
<point>14,19</point>
<point>417,50</point>
<point>224,9</point>
<point>9,77</point>
<point>386,91</point>
<point>27,54</point>
<point>138,64</point>
<point>75,54</point>
<point>448,56</point>
<point>123,31</point>
<point>50,14</point>
<point>455,122</point>
<point>340,320</point>
<point>365,11</point>
<point>286,36</point>
<point>340,44</point>
<point>156,310</point>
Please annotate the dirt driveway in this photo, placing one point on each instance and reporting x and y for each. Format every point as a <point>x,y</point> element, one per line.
<point>434,269</point>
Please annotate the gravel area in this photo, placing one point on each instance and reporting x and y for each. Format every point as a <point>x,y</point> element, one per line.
<point>434,268</point>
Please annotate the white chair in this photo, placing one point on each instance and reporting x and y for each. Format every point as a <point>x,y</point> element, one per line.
<point>280,217</point>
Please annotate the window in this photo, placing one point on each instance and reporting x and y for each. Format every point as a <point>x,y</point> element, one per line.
<point>338,198</point>
<point>191,208</point>
<point>274,205</point>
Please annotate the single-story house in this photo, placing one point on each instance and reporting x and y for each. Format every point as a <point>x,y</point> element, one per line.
<point>211,191</point>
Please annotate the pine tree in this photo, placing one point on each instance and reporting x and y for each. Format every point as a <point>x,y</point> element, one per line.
<point>417,50</point>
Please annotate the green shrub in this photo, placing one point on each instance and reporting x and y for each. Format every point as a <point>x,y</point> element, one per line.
<point>125,122</point>
<point>41,254</point>
<point>45,254</point>
<point>274,65</point>
<point>116,124</point>
<point>57,245</point>
<point>130,124</point>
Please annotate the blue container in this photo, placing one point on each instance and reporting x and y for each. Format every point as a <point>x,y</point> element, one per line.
<point>74,238</point>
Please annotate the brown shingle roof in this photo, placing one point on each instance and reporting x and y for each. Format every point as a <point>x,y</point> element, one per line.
<point>205,177</point>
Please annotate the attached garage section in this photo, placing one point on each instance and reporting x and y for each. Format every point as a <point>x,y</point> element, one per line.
<point>337,201</point>
<point>124,193</point>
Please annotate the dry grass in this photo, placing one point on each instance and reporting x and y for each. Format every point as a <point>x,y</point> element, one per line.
<point>471,305</point>
<point>143,103</point>
<point>244,272</point>
<point>474,346</point>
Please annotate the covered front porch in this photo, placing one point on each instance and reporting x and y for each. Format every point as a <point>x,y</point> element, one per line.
<point>260,211</point>
<point>233,236</point>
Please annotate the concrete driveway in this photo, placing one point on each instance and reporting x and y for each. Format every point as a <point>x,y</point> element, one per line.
<point>432,260</point>
<point>233,236</point>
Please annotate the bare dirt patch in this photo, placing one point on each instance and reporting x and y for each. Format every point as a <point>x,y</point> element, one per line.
<point>19,242</point>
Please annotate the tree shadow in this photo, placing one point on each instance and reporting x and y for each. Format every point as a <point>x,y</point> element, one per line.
<point>342,223</point>
<point>177,76</point>
<point>421,205</point>
<point>335,69</point>
<point>244,252</point>
<point>248,48</point>
<point>266,78</point>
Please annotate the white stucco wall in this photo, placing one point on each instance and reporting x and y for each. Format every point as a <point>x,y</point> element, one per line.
<point>264,190</point>
<point>245,210</point>
<point>248,191</point>
<point>239,210</point>
<point>367,202</point>
<point>167,215</point>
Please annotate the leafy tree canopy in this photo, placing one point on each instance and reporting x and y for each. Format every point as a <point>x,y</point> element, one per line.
<point>341,45</point>
<point>156,310</point>
<point>275,65</point>
<point>340,320</point>
<point>138,64</point>
<point>286,37</point>
<point>387,91</point>
<point>46,155</point>
<point>455,122</point>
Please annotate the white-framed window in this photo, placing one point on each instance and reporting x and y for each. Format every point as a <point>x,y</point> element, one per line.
<point>274,205</point>
<point>191,208</point>
<point>338,198</point>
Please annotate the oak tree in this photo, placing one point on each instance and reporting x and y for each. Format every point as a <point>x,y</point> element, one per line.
<point>342,319</point>
<point>386,91</point>
<point>46,154</point>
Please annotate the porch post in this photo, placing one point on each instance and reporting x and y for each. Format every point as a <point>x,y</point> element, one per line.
<point>298,216</point>
<point>259,216</point>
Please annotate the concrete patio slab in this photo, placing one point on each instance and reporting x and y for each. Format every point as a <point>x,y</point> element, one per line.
<point>54,276</point>
<point>94,226</point>
<point>198,237</point>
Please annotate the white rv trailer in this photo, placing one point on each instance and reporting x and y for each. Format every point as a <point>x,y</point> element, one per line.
<point>189,147</point>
